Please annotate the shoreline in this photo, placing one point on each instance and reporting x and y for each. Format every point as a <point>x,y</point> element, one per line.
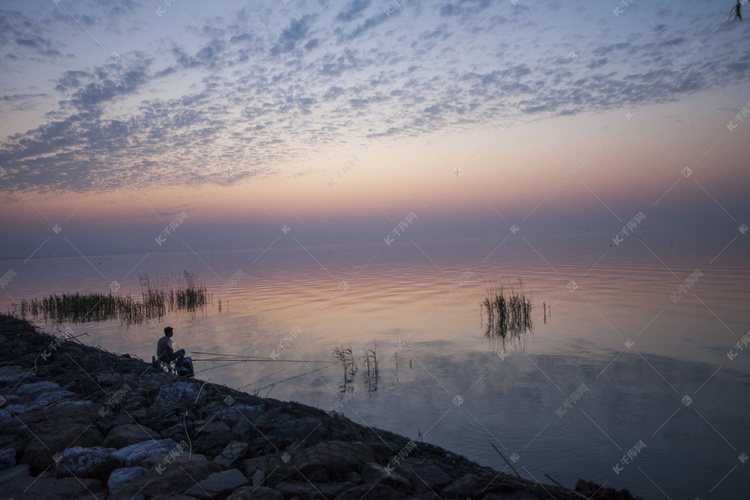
<point>81,422</point>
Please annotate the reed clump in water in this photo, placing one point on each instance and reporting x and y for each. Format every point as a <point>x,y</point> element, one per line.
<point>155,302</point>
<point>370,371</point>
<point>346,356</point>
<point>506,313</point>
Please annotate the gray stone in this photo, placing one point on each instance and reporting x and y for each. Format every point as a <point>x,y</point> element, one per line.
<point>218,484</point>
<point>129,434</point>
<point>373,472</point>
<point>307,490</point>
<point>36,387</point>
<point>133,454</point>
<point>469,485</point>
<point>120,476</point>
<point>173,478</point>
<point>240,412</point>
<point>7,458</point>
<point>41,400</point>
<point>40,450</point>
<point>258,477</point>
<point>212,437</point>
<point>12,374</point>
<point>231,452</point>
<point>256,493</point>
<point>19,471</point>
<point>80,462</point>
<point>370,492</point>
<point>49,488</point>
<point>45,399</point>
<point>172,459</point>
<point>423,474</point>
<point>305,431</point>
<point>179,394</point>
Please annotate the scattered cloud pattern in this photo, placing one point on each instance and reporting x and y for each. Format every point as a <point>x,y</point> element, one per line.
<point>185,93</point>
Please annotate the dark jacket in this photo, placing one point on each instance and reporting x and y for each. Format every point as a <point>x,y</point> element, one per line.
<point>164,348</point>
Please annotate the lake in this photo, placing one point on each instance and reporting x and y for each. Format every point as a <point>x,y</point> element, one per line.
<point>630,376</point>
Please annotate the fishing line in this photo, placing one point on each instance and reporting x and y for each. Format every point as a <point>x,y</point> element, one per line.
<point>297,376</point>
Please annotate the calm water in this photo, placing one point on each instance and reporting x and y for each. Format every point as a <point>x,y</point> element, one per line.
<point>641,372</point>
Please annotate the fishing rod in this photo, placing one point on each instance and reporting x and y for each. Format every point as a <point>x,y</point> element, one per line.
<point>262,360</point>
<point>237,357</point>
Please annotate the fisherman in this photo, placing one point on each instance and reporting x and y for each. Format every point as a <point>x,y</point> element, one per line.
<point>166,354</point>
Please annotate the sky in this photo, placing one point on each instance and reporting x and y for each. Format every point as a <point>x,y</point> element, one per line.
<point>177,125</point>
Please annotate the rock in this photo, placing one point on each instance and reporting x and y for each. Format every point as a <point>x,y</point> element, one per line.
<point>129,434</point>
<point>168,479</point>
<point>258,477</point>
<point>19,471</point>
<point>41,400</point>
<point>173,458</point>
<point>256,493</point>
<point>373,472</point>
<point>212,437</point>
<point>469,485</point>
<point>172,496</point>
<point>305,431</point>
<point>7,458</point>
<point>218,485</point>
<point>13,374</point>
<point>36,387</point>
<point>239,412</point>
<point>48,441</point>
<point>49,488</point>
<point>178,394</point>
<point>424,475</point>
<point>231,452</point>
<point>243,431</point>
<point>329,460</point>
<point>370,492</point>
<point>80,462</point>
<point>133,454</point>
<point>123,475</point>
<point>312,491</point>
<point>103,470</point>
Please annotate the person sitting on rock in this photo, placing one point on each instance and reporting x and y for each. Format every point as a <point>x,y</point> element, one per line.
<point>165,354</point>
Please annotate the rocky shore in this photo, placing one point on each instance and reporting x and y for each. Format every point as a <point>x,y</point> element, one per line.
<point>79,422</point>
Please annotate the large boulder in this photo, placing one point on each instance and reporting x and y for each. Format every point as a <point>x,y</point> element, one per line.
<point>124,475</point>
<point>256,493</point>
<point>48,441</point>
<point>218,485</point>
<point>178,395</point>
<point>424,475</point>
<point>13,374</point>
<point>49,488</point>
<point>7,458</point>
<point>129,434</point>
<point>80,462</point>
<point>37,387</point>
<point>305,432</point>
<point>211,438</point>
<point>165,479</point>
<point>133,454</point>
<point>231,453</point>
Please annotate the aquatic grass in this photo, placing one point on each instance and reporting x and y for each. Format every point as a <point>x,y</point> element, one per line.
<point>155,303</point>
<point>506,313</point>
<point>346,357</point>
<point>370,372</point>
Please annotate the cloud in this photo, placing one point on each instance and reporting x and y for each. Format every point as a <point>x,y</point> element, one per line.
<point>298,29</point>
<point>353,10</point>
<point>255,90</point>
